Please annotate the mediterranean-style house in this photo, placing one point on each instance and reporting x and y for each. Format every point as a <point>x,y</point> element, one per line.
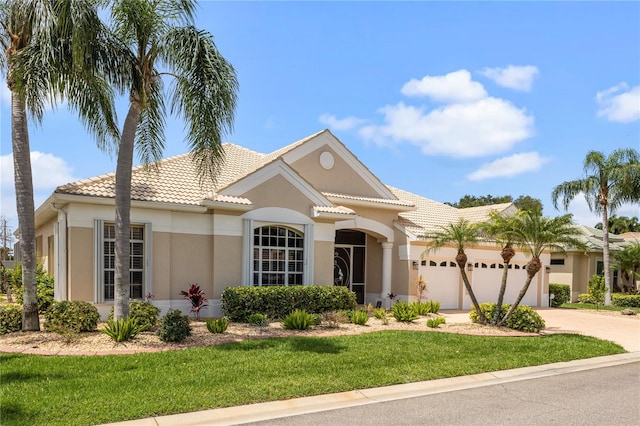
<point>575,267</point>
<point>309,213</point>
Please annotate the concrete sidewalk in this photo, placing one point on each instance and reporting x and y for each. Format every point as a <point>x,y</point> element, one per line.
<point>278,409</point>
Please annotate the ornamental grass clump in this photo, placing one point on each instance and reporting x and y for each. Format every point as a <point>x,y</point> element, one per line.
<point>360,317</point>
<point>217,325</point>
<point>174,327</point>
<point>298,320</point>
<point>435,322</point>
<point>404,312</point>
<point>123,329</point>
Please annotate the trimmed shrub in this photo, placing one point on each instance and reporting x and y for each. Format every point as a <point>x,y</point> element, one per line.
<point>258,319</point>
<point>218,325</point>
<point>279,301</point>
<point>73,315</point>
<point>10,318</point>
<point>435,322</point>
<point>122,330</point>
<point>626,300</point>
<point>145,313</point>
<point>360,317</point>
<point>174,327</point>
<point>298,320</point>
<point>44,286</point>
<point>404,312</point>
<point>586,298</point>
<point>561,294</point>
<point>524,318</point>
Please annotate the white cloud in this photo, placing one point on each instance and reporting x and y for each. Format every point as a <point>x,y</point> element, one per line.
<point>455,87</point>
<point>509,166</point>
<point>346,123</point>
<point>5,94</point>
<point>514,77</point>
<point>622,107</point>
<point>48,171</point>
<point>487,126</point>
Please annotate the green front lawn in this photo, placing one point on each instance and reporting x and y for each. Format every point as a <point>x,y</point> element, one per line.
<point>74,390</point>
<point>592,306</point>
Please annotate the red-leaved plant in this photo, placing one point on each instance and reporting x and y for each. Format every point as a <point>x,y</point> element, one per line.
<point>196,297</point>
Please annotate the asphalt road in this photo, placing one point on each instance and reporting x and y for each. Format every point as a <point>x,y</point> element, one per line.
<point>602,396</point>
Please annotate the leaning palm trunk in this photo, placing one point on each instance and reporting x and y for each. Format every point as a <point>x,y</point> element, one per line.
<point>606,256</point>
<point>123,213</point>
<point>507,254</point>
<point>26,214</point>
<point>532,268</point>
<point>461,259</point>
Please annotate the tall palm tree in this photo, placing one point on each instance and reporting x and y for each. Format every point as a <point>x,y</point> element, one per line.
<point>502,229</point>
<point>460,235</point>
<point>203,93</point>
<point>609,182</point>
<point>51,50</point>
<point>534,233</point>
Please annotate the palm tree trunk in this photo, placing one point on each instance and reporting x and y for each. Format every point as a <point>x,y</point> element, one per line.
<point>123,213</point>
<point>507,254</point>
<point>532,268</point>
<point>461,260</point>
<point>26,214</point>
<point>606,257</point>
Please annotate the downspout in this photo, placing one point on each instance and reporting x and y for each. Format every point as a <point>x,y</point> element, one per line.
<point>60,255</point>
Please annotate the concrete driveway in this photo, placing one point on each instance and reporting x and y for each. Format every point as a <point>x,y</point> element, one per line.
<point>623,330</point>
<point>620,329</point>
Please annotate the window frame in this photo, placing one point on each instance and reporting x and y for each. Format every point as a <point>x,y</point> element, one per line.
<point>99,259</point>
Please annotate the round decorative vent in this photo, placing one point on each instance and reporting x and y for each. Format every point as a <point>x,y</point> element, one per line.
<point>326,160</point>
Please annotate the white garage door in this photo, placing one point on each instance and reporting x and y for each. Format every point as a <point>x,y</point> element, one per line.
<point>486,279</point>
<point>442,277</point>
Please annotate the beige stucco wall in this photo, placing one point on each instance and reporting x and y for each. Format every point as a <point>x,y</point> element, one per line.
<point>279,192</point>
<point>162,265</point>
<point>44,244</point>
<point>576,271</point>
<point>227,261</point>
<point>323,263</point>
<point>191,262</point>
<point>341,179</point>
<point>81,254</point>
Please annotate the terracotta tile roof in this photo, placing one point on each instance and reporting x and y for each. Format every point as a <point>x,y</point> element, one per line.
<point>630,235</point>
<point>430,215</point>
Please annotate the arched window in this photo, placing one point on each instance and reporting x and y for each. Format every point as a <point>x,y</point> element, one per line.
<point>278,256</point>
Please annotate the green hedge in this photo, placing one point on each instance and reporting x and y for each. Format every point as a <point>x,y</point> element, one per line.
<point>279,301</point>
<point>73,315</point>
<point>586,298</point>
<point>561,294</point>
<point>10,318</point>
<point>626,300</point>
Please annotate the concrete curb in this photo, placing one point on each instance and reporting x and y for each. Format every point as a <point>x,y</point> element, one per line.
<point>278,409</point>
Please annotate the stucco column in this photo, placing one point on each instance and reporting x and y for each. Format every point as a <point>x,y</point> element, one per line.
<point>386,273</point>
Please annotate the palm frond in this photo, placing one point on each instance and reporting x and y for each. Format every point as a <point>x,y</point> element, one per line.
<point>150,135</point>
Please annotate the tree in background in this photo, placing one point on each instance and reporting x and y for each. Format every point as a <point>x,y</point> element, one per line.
<point>608,182</point>
<point>51,50</point>
<point>523,202</point>
<point>627,261</point>
<point>621,224</point>
<point>203,93</point>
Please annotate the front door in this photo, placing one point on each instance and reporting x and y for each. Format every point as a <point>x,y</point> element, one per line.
<point>348,269</point>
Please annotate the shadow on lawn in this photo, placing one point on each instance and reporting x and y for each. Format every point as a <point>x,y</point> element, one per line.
<point>317,345</point>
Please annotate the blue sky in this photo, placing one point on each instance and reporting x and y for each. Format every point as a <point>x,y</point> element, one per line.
<point>439,98</point>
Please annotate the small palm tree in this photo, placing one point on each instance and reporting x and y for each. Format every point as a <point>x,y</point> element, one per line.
<point>203,93</point>
<point>627,261</point>
<point>502,229</point>
<point>534,233</point>
<point>460,235</point>
<point>51,50</point>
<point>609,182</point>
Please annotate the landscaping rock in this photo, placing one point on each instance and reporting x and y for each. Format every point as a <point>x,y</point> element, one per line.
<point>628,312</point>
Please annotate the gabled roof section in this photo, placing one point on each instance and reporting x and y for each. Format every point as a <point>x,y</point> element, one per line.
<point>429,215</point>
<point>276,168</point>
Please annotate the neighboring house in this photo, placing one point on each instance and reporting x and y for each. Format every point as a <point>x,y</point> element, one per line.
<point>309,213</point>
<point>577,266</point>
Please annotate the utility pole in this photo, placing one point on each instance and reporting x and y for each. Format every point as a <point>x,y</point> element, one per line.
<point>6,240</point>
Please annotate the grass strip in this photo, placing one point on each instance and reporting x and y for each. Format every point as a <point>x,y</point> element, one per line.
<point>593,306</point>
<point>77,390</point>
